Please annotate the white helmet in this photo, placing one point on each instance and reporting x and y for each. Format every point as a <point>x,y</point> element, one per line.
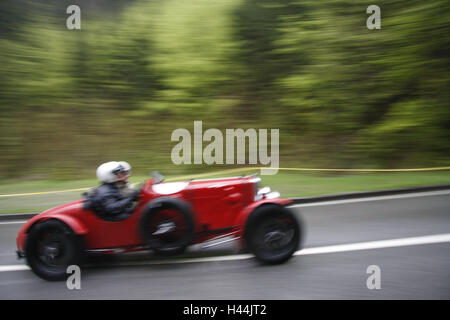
<point>107,172</point>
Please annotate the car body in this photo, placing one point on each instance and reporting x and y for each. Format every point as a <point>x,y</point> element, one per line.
<point>168,217</point>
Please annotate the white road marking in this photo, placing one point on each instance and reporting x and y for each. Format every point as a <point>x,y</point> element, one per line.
<point>438,238</point>
<point>16,267</point>
<point>378,198</point>
<point>368,245</point>
<point>14,222</point>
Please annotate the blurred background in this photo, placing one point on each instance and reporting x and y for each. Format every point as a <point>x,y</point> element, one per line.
<point>343,96</point>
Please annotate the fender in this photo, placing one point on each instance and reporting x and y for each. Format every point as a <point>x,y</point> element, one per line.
<point>65,213</point>
<point>173,201</point>
<point>73,223</point>
<point>243,215</point>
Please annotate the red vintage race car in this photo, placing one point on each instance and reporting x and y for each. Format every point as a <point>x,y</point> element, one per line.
<point>168,217</point>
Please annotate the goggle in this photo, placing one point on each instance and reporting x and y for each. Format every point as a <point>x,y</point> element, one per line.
<point>120,169</point>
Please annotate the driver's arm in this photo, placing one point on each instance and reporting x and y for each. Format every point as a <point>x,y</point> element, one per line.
<point>114,204</point>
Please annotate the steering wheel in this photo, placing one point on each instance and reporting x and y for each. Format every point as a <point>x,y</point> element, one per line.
<point>157,176</point>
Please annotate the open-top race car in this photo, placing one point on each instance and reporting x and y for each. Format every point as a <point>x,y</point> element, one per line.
<point>168,217</point>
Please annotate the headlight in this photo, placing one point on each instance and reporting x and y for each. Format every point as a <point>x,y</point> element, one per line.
<point>266,193</point>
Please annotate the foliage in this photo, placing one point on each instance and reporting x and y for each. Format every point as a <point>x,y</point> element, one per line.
<point>341,95</point>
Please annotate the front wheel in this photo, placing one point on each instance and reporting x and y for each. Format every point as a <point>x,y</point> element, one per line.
<point>50,248</point>
<point>272,234</point>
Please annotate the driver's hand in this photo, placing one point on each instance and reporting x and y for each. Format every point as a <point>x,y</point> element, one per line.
<point>137,186</point>
<point>136,194</point>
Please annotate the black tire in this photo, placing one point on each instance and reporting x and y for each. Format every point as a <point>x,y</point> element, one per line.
<point>167,226</point>
<point>50,248</point>
<point>272,234</point>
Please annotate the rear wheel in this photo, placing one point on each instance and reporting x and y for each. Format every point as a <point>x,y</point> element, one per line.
<point>272,234</point>
<point>50,248</point>
<point>168,228</point>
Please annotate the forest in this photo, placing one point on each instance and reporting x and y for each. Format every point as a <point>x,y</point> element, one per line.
<point>341,95</point>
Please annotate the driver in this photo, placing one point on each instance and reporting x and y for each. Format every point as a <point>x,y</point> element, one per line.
<point>114,198</point>
<point>123,185</point>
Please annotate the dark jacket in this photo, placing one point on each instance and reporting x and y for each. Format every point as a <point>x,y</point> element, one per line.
<point>109,202</point>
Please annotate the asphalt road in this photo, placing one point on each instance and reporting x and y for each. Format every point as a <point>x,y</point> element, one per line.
<point>408,271</point>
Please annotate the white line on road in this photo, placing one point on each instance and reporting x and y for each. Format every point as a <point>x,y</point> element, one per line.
<point>438,238</point>
<point>412,241</point>
<point>16,267</point>
<point>398,196</point>
<point>14,222</point>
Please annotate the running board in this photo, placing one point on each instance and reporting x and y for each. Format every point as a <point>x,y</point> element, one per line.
<point>214,242</point>
<point>118,250</point>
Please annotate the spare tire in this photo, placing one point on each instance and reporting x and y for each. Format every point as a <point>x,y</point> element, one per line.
<point>167,225</point>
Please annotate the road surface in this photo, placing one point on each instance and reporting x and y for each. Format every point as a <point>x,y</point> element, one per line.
<point>406,236</point>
